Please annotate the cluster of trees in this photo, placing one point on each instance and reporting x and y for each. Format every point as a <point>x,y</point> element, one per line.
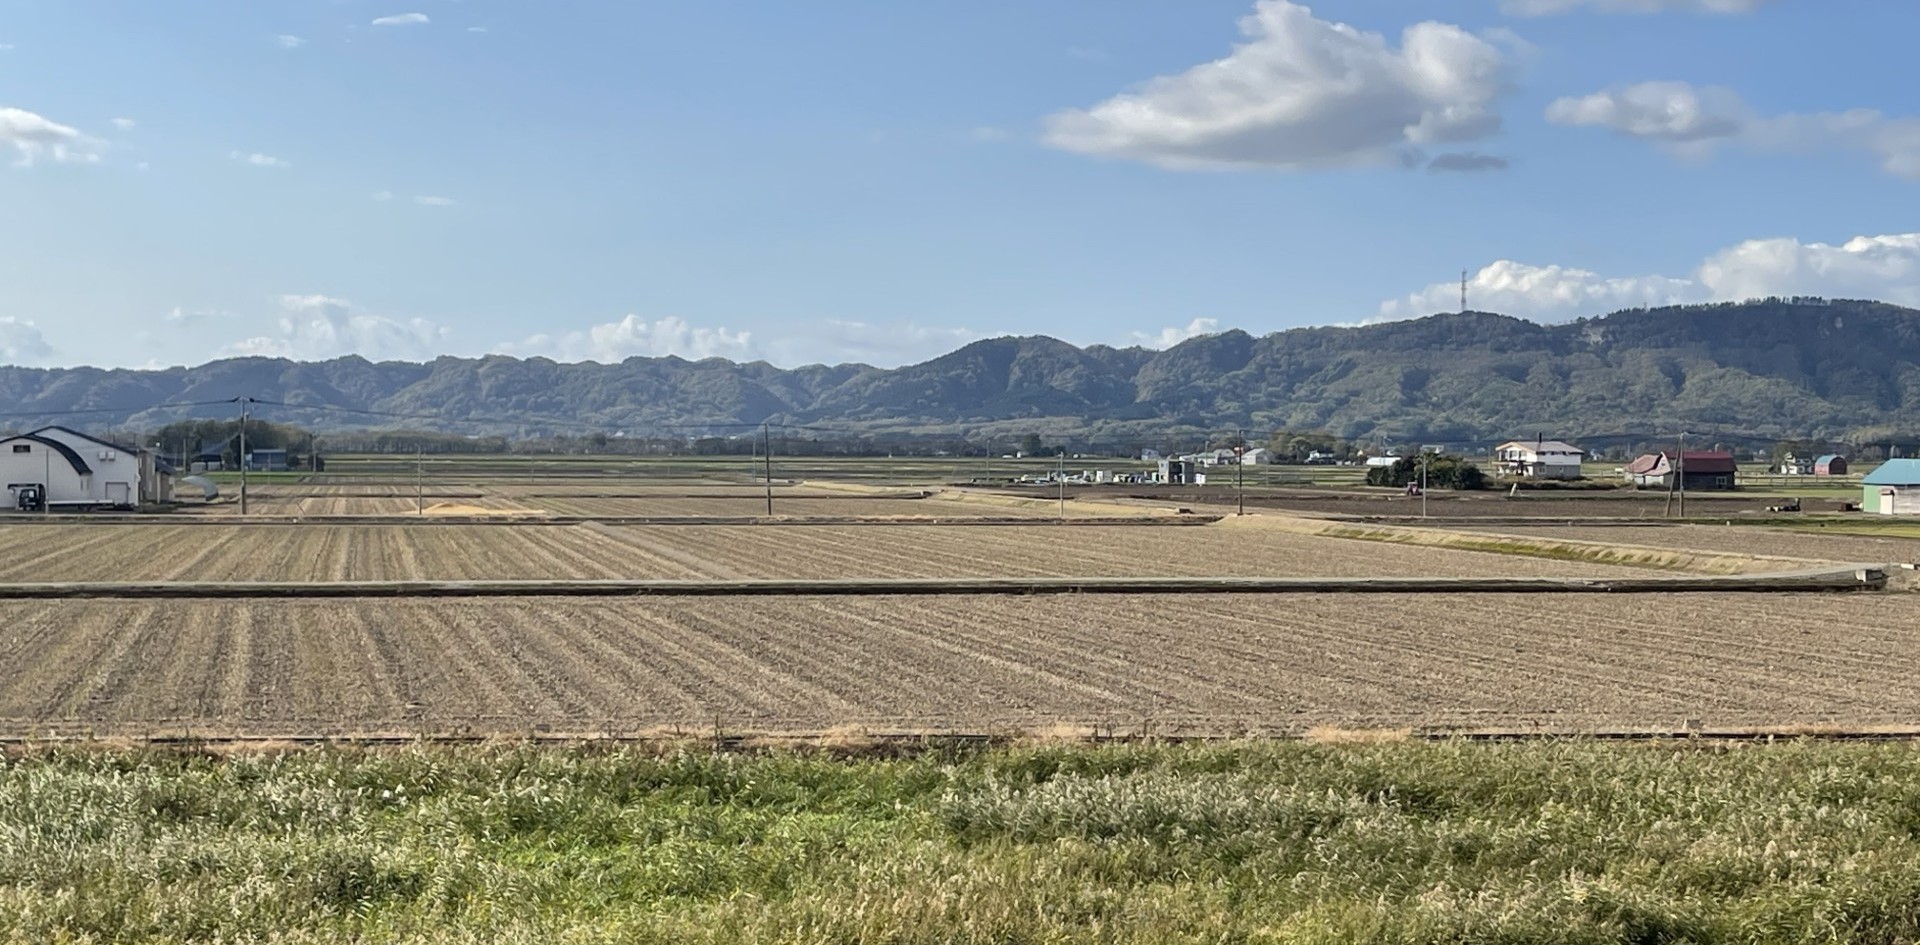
<point>183,440</point>
<point>1294,446</point>
<point>1444,471</point>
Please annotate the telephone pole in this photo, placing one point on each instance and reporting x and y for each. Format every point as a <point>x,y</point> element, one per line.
<point>1063,482</point>
<point>245,402</point>
<point>766,456</point>
<point>1680,472</point>
<point>1240,476</point>
<point>419,484</point>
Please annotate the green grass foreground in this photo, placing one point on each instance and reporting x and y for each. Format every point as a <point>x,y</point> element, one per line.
<point>1246,842</point>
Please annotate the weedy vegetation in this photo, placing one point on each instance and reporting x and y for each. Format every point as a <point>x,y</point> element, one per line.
<point>1365,840</point>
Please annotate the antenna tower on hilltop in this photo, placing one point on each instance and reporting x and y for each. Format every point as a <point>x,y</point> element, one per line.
<point>1463,292</point>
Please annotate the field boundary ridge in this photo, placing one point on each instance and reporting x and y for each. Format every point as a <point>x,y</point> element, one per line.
<point>1853,578</point>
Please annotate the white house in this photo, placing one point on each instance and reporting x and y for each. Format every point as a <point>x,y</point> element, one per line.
<point>80,471</point>
<point>1539,459</point>
<point>1387,460</point>
<point>1258,456</point>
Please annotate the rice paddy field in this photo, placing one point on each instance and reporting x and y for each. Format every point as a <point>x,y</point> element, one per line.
<point>942,767</point>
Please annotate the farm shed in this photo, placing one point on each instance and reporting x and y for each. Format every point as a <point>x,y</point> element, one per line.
<point>80,471</point>
<point>1831,464</point>
<point>1892,489</point>
<point>1539,458</point>
<point>1702,470</point>
<point>267,460</point>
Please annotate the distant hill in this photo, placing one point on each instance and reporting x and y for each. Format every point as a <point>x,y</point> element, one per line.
<point>1756,370</point>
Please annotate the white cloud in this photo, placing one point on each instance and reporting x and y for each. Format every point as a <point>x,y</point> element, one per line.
<point>1872,267</point>
<point>316,327</point>
<point>21,341</point>
<point>839,341</point>
<point>1543,292</point>
<point>427,200</point>
<point>1663,111</point>
<point>1170,336</point>
<point>1466,162</point>
<point>185,317</point>
<point>633,336</point>
<point>257,159</point>
<point>829,341</point>
<point>289,41</point>
<point>1302,93</point>
<point>1693,120</point>
<point>402,19</point>
<point>1552,7</point>
<point>35,138</point>
<point>124,124</point>
<point>383,195</point>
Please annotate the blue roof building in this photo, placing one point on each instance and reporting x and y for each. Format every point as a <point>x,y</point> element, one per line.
<point>1892,489</point>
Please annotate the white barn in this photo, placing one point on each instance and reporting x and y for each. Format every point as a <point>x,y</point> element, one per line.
<point>80,471</point>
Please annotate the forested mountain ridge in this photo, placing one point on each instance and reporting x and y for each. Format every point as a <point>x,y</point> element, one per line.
<point>1771,368</point>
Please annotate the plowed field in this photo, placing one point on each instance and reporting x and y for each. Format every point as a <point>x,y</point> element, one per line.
<point>310,552</point>
<point>1195,664</point>
<point>1738,539</point>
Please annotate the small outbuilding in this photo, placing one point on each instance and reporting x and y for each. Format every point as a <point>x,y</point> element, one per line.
<point>1699,471</point>
<point>1832,464</point>
<point>1892,489</point>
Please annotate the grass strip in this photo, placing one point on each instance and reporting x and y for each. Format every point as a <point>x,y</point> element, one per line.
<point>1366,841</point>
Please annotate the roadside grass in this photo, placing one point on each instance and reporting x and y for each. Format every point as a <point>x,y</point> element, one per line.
<point>1351,840</point>
<point>1856,526</point>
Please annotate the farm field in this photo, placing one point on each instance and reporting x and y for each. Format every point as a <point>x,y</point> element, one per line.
<point>321,552</point>
<point>613,498</point>
<point>1738,539</point>
<point>1191,664</point>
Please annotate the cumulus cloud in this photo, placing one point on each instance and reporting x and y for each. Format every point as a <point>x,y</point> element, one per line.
<point>402,19</point>
<point>289,41</point>
<point>1875,267</point>
<point>35,139</point>
<point>21,341</point>
<point>185,317</point>
<point>428,200</point>
<point>828,341</point>
<point>1543,292</point>
<point>1173,335</point>
<point>1552,7</point>
<point>633,336</point>
<point>124,124</point>
<point>1466,162</point>
<point>1302,93</point>
<point>317,327</point>
<point>1693,120</point>
<point>257,159</point>
<point>839,341</point>
<point>1662,111</point>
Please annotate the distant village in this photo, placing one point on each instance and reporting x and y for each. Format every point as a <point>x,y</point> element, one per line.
<point>56,467</point>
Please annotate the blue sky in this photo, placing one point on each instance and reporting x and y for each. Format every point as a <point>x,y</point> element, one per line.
<point>880,181</point>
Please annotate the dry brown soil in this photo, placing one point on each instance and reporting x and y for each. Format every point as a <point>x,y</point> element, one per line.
<point>1214,664</point>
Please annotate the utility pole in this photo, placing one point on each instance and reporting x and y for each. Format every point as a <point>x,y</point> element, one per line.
<point>1680,472</point>
<point>419,484</point>
<point>1240,475</point>
<point>766,456</point>
<point>1424,453</point>
<point>46,488</point>
<point>1063,482</point>
<point>245,402</point>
